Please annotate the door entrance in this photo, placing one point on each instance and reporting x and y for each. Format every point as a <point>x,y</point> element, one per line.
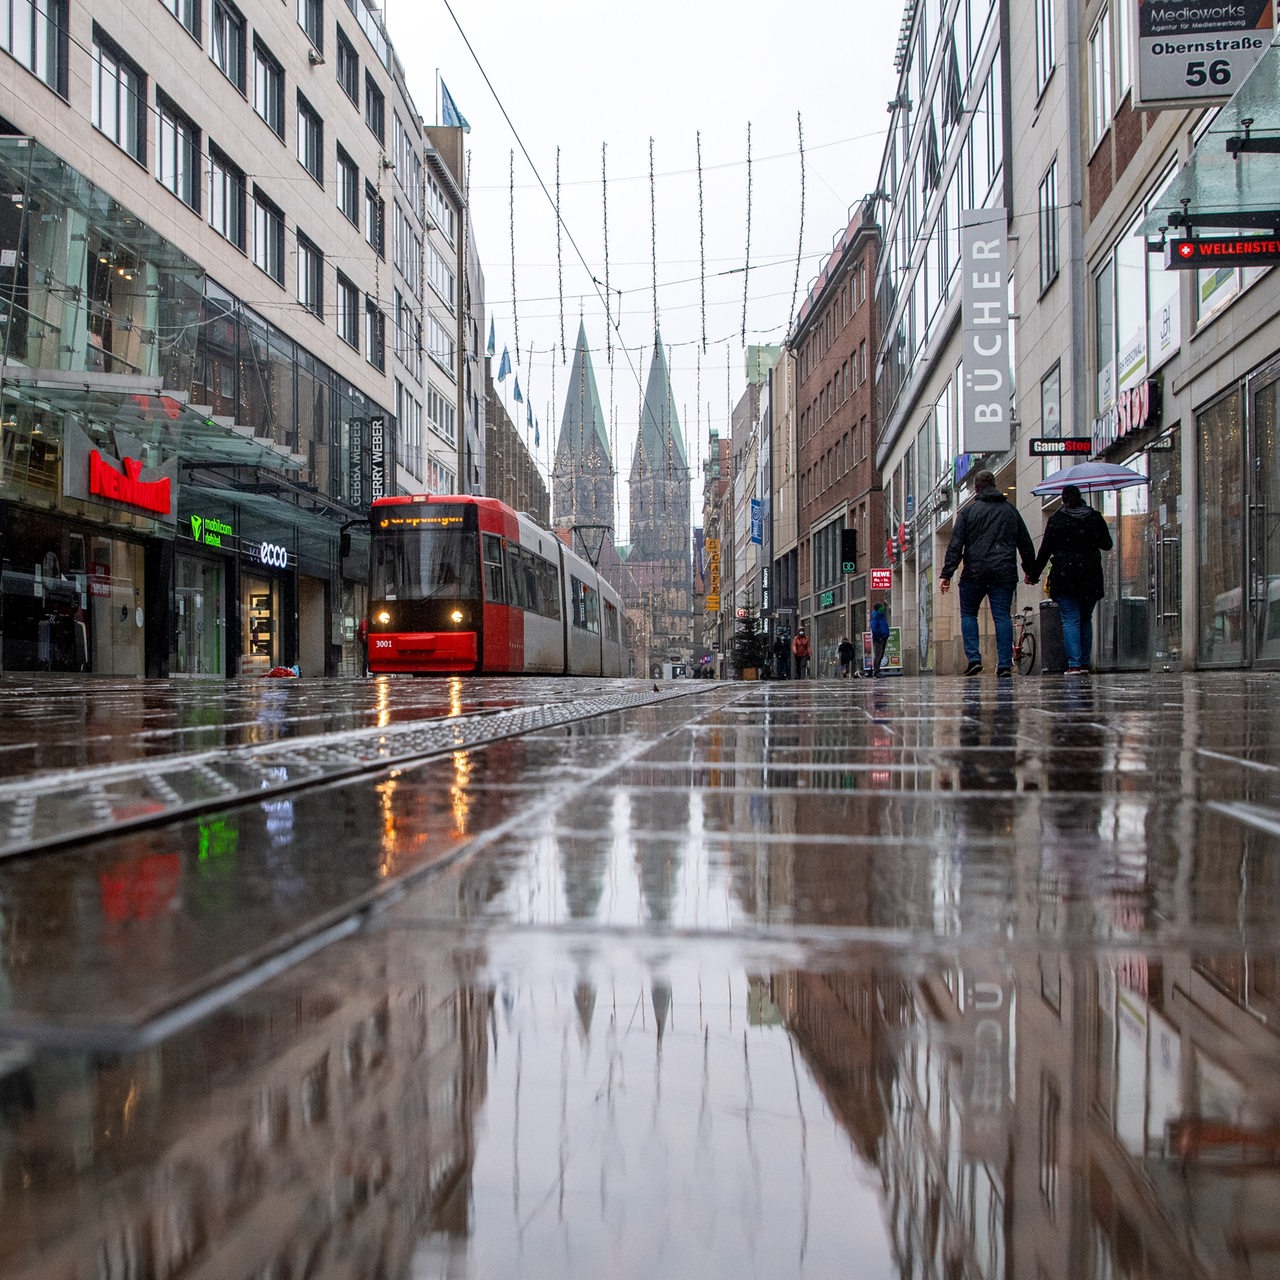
<point>199,649</point>
<point>1238,564</point>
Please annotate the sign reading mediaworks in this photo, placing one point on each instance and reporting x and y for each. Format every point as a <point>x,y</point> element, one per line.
<point>1135,408</point>
<point>1221,251</point>
<point>123,482</point>
<point>984,312</point>
<point>1196,51</point>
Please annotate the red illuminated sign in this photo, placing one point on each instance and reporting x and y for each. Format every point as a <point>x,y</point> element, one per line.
<point>881,579</point>
<point>1221,251</point>
<point>127,487</point>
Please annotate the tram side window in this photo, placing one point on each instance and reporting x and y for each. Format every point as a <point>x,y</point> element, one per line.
<point>548,590</point>
<point>586,606</point>
<point>495,587</point>
<point>611,631</point>
<point>520,574</point>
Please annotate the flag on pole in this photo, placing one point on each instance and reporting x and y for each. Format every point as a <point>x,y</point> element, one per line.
<point>450,116</point>
<point>537,437</point>
<point>489,349</point>
<point>519,397</point>
<point>504,365</point>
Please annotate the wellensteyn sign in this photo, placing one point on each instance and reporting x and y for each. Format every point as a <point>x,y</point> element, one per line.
<point>1193,51</point>
<point>984,313</point>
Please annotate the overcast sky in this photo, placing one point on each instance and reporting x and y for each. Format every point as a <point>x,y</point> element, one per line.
<point>576,77</point>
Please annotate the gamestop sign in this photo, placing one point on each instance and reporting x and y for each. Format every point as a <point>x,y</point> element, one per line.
<point>1196,51</point>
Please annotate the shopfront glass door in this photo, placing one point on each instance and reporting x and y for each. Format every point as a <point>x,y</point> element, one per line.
<point>199,650</point>
<point>1123,626</point>
<point>1220,537</point>
<point>1164,550</point>
<point>1264,522</point>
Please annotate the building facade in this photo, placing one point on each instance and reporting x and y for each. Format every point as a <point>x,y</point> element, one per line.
<point>213,216</point>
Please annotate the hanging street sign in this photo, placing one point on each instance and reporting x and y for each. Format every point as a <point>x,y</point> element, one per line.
<point>1193,52</point>
<point>881,579</point>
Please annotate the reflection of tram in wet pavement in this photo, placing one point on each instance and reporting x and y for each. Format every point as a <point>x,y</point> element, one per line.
<point>413,978</point>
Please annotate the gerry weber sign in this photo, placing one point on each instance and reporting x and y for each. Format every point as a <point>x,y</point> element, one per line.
<point>1197,51</point>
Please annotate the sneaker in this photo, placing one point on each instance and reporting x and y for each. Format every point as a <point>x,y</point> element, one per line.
<point>1004,672</point>
<point>1076,671</point>
<point>973,669</point>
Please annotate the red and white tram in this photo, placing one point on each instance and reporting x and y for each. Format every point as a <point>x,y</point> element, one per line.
<point>466,585</point>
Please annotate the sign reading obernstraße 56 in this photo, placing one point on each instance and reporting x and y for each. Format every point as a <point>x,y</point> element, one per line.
<point>1194,51</point>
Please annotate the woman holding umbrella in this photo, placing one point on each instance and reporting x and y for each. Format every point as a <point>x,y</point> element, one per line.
<point>1074,540</point>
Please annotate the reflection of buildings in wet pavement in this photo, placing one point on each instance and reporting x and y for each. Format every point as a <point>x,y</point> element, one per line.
<point>321,1124</point>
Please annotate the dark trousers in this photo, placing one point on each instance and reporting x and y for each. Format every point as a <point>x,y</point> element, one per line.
<point>877,653</point>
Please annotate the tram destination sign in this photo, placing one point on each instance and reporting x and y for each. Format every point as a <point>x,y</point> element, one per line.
<point>1057,446</point>
<point>1221,251</point>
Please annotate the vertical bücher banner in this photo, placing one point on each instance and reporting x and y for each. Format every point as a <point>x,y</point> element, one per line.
<point>984,314</point>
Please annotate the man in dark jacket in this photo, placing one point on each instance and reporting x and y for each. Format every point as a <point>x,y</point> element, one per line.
<point>1075,538</point>
<point>990,538</point>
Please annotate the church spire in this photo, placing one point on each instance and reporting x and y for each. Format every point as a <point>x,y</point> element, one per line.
<point>583,484</point>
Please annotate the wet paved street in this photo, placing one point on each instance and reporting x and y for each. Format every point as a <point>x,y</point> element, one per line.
<point>470,979</point>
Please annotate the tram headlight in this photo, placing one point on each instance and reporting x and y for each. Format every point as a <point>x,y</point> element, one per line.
<point>456,616</point>
<point>384,617</point>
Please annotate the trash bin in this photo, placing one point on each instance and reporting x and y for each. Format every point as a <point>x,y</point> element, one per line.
<point>1053,656</point>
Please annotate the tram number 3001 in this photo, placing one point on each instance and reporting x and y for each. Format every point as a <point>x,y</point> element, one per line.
<point>382,644</point>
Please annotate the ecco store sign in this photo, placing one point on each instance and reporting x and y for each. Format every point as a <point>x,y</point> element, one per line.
<point>269,554</point>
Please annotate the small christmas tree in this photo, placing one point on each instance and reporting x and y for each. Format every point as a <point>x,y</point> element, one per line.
<point>750,644</point>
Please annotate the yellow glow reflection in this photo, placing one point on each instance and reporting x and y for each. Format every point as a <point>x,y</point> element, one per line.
<point>459,793</point>
<point>382,703</point>
<point>455,697</point>
<point>386,805</point>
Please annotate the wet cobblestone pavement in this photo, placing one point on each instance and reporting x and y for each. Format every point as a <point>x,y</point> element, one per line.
<point>576,978</point>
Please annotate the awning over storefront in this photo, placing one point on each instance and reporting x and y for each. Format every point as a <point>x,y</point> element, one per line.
<point>156,416</point>
<point>1232,182</point>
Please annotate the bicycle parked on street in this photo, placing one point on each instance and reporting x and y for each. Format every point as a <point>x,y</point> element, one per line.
<point>1024,641</point>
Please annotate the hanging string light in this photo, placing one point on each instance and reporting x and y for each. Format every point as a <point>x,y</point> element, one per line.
<point>511,205</point>
<point>559,258</point>
<point>746,266</point>
<point>702,245</point>
<point>608,296</point>
<point>653,238</point>
<point>795,287</point>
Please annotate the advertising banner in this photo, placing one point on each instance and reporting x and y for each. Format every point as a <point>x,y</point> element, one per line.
<point>1191,52</point>
<point>984,309</point>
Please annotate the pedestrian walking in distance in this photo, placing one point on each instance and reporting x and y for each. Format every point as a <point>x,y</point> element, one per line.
<point>781,659</point>
<point>844,656</point>
<point>1072,547</point>
<point>801,651</point>
<point>879,638</point>
<point>990,537</point>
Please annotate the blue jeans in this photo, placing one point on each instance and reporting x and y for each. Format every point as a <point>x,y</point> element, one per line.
<point>1077,629</point>
<point>972,595</point>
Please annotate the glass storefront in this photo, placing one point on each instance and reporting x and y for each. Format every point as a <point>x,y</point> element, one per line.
<point>1238,553</point>
<point>260,614</point>
<point>200,648</point>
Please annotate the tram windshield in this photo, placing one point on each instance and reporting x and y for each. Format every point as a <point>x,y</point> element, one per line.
<point>418,561</point>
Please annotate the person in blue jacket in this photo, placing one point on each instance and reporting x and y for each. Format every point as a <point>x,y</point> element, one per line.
<point>879,637</point>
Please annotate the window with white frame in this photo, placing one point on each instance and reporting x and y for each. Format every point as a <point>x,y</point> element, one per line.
<point>310,276</point>
<point>227,37</point>
<point>310,140</point>
<point>348,187</point>
<point>375,334</point>
<point>268,87</point>
<point>1048,219</point>
<point>408,429</point>
<point>348,67</point>
<point>442,213</point>
<point>227,199</point>
<point>1101,104</point>
<point>1045,42</point>
<point>177,153</point>
<point>375,231</point>
<point>441,345</point>
<point>443,280</point>
<point>442,414</point>
<point>119,108</point>
<point>375,107</point>
<point>348,312</point>
<point>268,237</point>
<point>187,12</point>
<point>311,20</point>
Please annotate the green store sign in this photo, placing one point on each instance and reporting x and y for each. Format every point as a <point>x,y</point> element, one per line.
<point>209,532</point>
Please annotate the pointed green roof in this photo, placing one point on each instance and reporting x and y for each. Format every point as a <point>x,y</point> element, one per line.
<point>583,420</point>
<point>659,422</point>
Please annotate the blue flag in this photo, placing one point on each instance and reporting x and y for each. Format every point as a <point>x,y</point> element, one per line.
<point>450,116</point>
<point>489,349</point>
<point>528,410</point>
<point>537,437</point>
<point>504,365</point>
<point>519,397</point>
